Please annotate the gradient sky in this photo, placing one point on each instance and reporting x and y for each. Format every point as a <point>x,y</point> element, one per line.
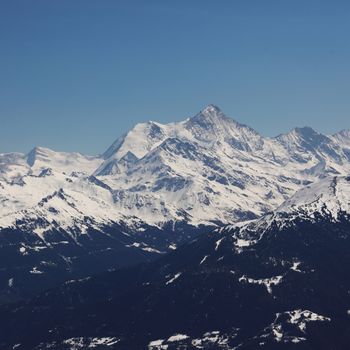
<point>75,74</point>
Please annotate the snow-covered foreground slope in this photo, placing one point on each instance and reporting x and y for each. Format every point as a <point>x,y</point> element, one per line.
<point>326,200</point>
<point>206,170</point>
<point>330,196</point>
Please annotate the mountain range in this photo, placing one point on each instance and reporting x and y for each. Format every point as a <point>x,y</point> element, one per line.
<point>206,170</point>
<point>277,282</point>
<point>66,215</point>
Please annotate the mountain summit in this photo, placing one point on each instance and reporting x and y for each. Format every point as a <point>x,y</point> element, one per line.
<point>210,115</point>
<point>205,170</point>
<point>68,215</point>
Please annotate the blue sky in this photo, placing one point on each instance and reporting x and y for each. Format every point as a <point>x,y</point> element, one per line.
<point>75,74</point>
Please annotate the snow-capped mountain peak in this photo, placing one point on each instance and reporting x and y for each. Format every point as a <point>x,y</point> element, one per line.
<point>205,169</point>
<point>211,125</point>
<point>304,137</point>
<point>210,114</point>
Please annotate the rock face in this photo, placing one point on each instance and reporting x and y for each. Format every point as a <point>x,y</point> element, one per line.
<point>278,282</point>
<point>152,190</point>
<point>206,170</point>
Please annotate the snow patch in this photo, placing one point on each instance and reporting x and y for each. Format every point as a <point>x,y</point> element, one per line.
<point>301,317</point>
<point>267,282</point>
<point>295,266</point>
<point>203,260</point>
<point>217,243</point>
<point>177,337</point>
<point>176,276</point>
<point>84,343</point>
<point>281,329</point>
<point>36,271</point>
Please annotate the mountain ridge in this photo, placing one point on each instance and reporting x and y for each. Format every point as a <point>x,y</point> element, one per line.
<point>284,288</point>
<point>152,168</point>
<point>66,216</point>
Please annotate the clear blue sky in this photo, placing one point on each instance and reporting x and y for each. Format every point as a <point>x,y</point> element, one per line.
<point>75,74</point>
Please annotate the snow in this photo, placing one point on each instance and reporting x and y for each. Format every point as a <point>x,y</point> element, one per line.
<point>23,250</point>
<point>327,198</point>
<point>302,317</point>
<point>156,342</point>
<point>277,332</point>
<point>108,341</point>
<point>205,169</point>
<point>177,337</point>
<point>157,345</point>
<point>267,282</point>
<point>288,325</point>
<point>84,343</point>
<point>176,276</point>
<point>242,243</point>
<point>217,243</point>
<point>295,266</point>
<point>203,260</point>
<point>36,271</point>
<point>210,339</point>
<point>152,250</point>
<point>145,248</point>
<point>330,195</point>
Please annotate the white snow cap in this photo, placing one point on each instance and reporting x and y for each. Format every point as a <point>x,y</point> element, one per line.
<point>207,169</point>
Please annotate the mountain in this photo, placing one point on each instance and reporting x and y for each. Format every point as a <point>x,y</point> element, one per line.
<point>208,169</point>
<point>152,190</point>
<point>16,165</point>
<point>327,197</point>
<point>278,282</point>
